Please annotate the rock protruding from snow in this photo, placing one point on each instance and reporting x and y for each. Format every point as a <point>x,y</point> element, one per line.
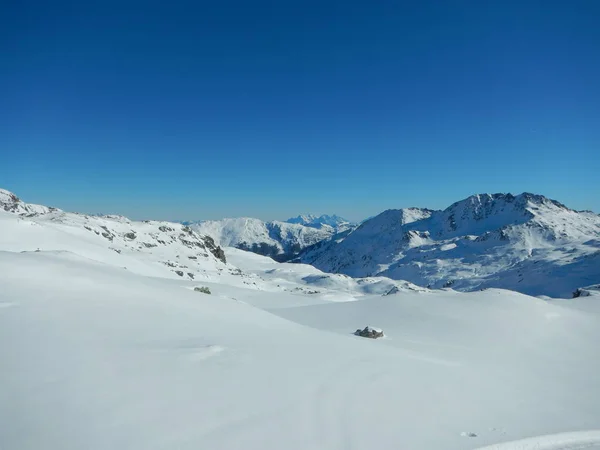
<point>587,291</point>
<point>368,332</point>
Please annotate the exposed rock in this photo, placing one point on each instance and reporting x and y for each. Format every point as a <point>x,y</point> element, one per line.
<point>368,332</point>
<point>214,249</point>
<point>107,233</point>
<point>392,291</point>
<point>587,291</point>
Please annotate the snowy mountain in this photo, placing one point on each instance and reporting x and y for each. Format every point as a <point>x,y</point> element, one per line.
<point>336,222</point>
<point>168,249</point>
<point>97,357</point>
<point>279,240</point>
<point>171,250</point>
<point>526,243</point>
<point>142,336</point>
<point>9,202</point>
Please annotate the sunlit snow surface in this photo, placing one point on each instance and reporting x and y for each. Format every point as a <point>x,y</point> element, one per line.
<point>108,350</point>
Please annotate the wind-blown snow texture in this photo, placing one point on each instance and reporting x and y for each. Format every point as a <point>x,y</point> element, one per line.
<point>526,243</point>
<point>105,346</point>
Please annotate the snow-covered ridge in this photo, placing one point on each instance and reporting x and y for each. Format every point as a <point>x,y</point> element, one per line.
<point>141,336</point>
<point>149,247</point>
<point>310,220</point>
<point>173,250</point>
<point>526,242</point>
<point>280,240</point>
<point>11,203</point>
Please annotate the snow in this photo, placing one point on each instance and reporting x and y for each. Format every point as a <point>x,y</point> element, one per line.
<point>526,243</point>
<point>99,356</point>
<point>334,221</point>
<point>270,238</point>
<point>563,441</point>
<point>10,202</point>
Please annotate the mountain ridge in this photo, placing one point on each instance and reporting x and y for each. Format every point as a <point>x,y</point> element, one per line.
<point>524,242</point>
<point>276,239</point>
<point>527,242</point>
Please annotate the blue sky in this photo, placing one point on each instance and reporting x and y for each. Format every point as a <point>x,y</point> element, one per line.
<point>199,110</point>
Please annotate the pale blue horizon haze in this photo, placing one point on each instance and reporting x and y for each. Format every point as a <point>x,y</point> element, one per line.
<point>203,110</point>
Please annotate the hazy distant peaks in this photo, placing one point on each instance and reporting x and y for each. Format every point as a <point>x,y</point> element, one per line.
<point>313,221</point>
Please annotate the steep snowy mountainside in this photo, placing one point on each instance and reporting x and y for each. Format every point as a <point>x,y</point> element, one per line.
<point>527,243</point>
<point>280,240</point>
<point>334,221</point>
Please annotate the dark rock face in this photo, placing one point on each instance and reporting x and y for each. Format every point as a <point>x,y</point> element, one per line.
<point>369,332</point>
<point>107,233</point>
<point>214,249</point>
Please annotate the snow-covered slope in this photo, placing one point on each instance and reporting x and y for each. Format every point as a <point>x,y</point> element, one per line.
<point>334,221</point>
<point>280,240</point>
<point>527,243</point>
<point>172,250</point>
<point>97,357</point>
<point>103,345</point>
<point>149,247</point>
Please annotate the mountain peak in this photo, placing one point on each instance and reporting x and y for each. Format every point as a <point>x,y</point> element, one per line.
<point>11,203</point>
<point>525,242</point>
<point>313,221</point>
<point>7,197</point>
<point>520,200</point>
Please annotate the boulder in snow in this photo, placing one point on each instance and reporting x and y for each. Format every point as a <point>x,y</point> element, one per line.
<point>368,332</point>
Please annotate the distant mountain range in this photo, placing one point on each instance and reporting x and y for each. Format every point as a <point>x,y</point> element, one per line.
<point>281,241</point>
<point>527,243</point>
<point>336,222</point>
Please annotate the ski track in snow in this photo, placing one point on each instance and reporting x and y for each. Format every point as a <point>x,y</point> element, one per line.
<point>562,441</point>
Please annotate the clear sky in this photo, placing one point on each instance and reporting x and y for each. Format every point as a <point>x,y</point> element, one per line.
<point>206,109</point>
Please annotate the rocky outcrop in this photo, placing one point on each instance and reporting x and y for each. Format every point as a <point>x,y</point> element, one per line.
<point>9,202</point>
<point>368,332</point>
<point>214,249</point>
